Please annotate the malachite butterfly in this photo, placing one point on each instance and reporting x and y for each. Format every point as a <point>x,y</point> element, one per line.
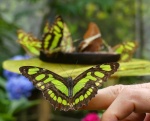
<point>57,37</point>
<point>29,42</point>
<point>53,36</point>
<point>65,93</point>
<point>126,50</point>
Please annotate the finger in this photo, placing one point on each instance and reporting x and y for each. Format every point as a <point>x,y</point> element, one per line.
<point>147,118</point>
<point>135,117</point>
<point>128,101</point>
<point>106,96</point>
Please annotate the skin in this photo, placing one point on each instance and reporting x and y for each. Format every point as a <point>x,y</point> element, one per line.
<point>123,102</point>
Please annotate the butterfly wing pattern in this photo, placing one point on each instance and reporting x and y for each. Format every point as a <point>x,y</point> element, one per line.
<point>56,37</point>
<point>87,83</point>
<point>30,43</point>
<point>67,42</point>
<point>52,36</point>
<point>66,93</point>
<point>126,50</point>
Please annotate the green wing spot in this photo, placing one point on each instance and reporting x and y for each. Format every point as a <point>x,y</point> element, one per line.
<point>47,38</point>
<point>55,98</point>
<point>57,29</point>
<point>50,91</point>
<point>60,86</point>
<point>76,101</point>
<point>64,102</point>
<point>119,50</point>
<point>43,87</point>
<point>105,67</point>
<point>39,84</point>
<point>99,74</point>
<point>32,71</point>
<point>40,77</point>
<point>52,95</point>
<point>131,44</point>
<point>49,78</point>
<point>85,96</point>
<point>59,99</point>
<point>60,24</point>
<point>128,47</point>
<point>81,98</point>
<point>97,83</point>
<point>88,92</point>
<point>20,35</point>
<point>46,28</point>
<point>88,74</point>
<point>56,40</point>
<point>91,78</point>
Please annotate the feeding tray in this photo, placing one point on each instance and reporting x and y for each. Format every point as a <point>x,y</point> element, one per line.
<point>80,57</point>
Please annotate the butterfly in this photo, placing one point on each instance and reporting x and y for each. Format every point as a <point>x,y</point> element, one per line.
<point>92,39</point>
<point>65,93</point>
<point>29,42</point>
<point>52,36</point>
<point>126,50</point>
<point>60,39</point>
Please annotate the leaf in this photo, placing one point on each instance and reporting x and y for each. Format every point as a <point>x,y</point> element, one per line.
<point>22,104</point>
<point>6,117</point>
<point>2,83</point>
<point>4,103</point>
<point>135,67</point>
<point>61,69</point>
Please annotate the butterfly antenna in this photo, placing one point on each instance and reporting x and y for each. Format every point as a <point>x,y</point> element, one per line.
<point>74,67</point>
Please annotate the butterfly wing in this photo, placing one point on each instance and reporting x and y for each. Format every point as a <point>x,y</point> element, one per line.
<point>87,83</point>
<point>53,86</point>
<point>47,28</point>
<point>53,36</point>
<point>67,42</point>
<point>30,43</point>
<point>126,50</point>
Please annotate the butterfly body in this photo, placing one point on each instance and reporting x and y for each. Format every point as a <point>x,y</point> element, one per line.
<point>67,93</point>
<point>70,86</point>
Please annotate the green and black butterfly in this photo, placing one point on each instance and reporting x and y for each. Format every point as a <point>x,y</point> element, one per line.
<point>57,37</point>
<point>67,93</point>
<point>53,36</point>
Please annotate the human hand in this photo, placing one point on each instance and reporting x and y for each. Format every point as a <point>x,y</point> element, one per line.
<point>123,102</point>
